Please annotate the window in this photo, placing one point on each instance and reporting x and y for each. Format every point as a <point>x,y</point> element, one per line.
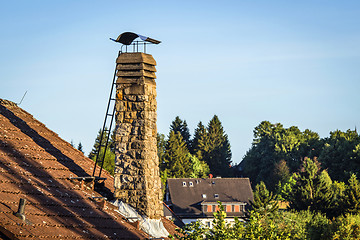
<point>236,208</point>
<point>242,208</point>
<point>203,195</point>
<point>209,208</point>
<point>216,195</point>
<point>228,208</point>
<point>184,184</point>
<point>191,184</point>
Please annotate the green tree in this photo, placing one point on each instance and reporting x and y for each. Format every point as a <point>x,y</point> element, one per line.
<point>341,154</point>
<point>337,203</point>
<point>80,147</point>
<point>199,169</point>
<point>273,143</point>
<point>284,188</point>
<point>281,171</point>
<point>109,158</point>
<point>199,143</point>
<point>95,148</point>
<point>222,230</point>
<point>181,126</point>
<point>346,227</point>
<point>176,163</point>
<point>352,196</point>
<point>217,153</point>
<point>265,202</point>
<point>160,144</point>
<point>312,190</point>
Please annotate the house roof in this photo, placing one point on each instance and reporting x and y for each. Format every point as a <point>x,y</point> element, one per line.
<point>36,164</point>
<point>188,194</point>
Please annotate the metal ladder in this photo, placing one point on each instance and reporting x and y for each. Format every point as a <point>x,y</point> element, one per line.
<point>110,113</point>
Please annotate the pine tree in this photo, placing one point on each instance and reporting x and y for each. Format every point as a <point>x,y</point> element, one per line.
<point>199,169</point>
<point>176,161</point>
<point>217,152</point>
<point>199,143</point>
<point>80,147</point>
<point>109,158</point>
<point>352,196</point>
<point>111,143</point>
<point>265,202</point>
<point>160,144</point>
<point>312,190</point>
<point>181,126</point>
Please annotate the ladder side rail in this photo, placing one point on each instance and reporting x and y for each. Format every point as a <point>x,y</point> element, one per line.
<point>106,115</point>
<point>107,142</point>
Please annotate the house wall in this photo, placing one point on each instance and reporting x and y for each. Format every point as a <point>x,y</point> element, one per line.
<point>207,221</point>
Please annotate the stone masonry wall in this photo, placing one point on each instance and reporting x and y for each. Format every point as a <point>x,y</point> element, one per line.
<point>137,180</point>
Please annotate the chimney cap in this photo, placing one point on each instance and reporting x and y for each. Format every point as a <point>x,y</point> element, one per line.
<point>127,38</point>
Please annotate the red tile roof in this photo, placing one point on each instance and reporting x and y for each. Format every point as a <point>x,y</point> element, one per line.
<point>35,164</point>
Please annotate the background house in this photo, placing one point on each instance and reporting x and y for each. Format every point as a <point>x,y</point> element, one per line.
<point>194,199</point>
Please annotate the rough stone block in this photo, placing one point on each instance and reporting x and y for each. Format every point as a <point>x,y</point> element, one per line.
<point>135,90</point>
<point>130,98</point>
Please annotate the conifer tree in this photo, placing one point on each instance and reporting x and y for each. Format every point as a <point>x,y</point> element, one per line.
<point>109,158</point>
<point>217,152</point>
<point>352,196</point>
<point>95,148</point>
<point>265,202</point>
<point>176,162</point>
<point>160,144</point>
<point>199,143</point>
<point>80,147</point>
<point>312,190</point>
<point>199,169</point>
<point>181,126</point>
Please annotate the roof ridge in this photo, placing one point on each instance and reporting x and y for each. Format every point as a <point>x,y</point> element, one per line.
<point>7,102</point>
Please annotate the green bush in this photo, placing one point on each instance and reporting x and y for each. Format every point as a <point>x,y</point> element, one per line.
<point>346,227</point>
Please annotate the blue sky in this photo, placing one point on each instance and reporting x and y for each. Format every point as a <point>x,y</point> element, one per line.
<point>293,62</point>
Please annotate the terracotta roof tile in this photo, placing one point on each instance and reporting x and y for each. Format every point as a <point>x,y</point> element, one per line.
<point>35,164</point>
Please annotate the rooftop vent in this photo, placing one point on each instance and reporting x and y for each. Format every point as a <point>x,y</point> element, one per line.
<point>20,213</point>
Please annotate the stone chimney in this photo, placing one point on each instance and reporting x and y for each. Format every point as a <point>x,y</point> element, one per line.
<point>137,180</point>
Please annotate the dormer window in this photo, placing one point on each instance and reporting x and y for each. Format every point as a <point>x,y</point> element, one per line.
<point>216,195</point>
<point>191,184</point>
<point>203,195</point>
<point>184,184</point>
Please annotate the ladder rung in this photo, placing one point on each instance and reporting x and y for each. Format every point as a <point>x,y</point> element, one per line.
<point>109,115</point>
